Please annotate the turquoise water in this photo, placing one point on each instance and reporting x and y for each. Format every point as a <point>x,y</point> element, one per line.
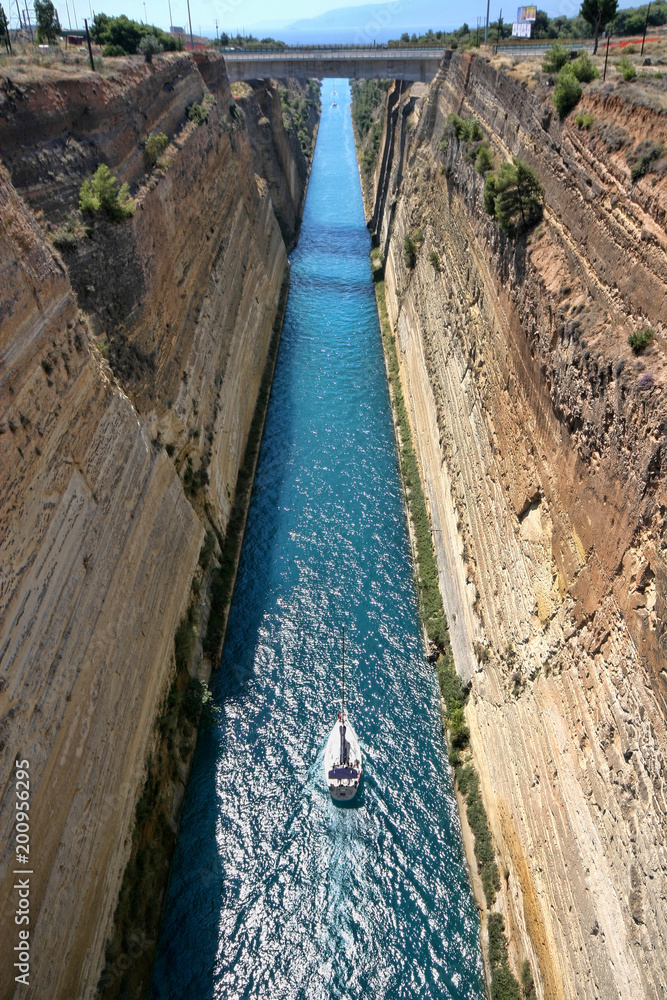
<point>275,892</point>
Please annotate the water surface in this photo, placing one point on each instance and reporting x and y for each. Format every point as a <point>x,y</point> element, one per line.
<point>275,892</point>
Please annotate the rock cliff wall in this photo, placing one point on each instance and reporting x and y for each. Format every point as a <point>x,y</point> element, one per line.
<point>542,446</point>
<point>130,363</point>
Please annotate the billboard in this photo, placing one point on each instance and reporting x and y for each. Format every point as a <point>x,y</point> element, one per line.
<point>526,14</point>
<point>521,29</point>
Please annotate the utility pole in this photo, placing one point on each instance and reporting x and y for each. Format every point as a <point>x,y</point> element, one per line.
<point>486,29</point>
<point>645,29</point>
<point>171,20</point>
<point>90,48</point>
<point>145,14</point>
<point>216,29</point>
<point>500,24</point>
<point>192,41</point>
<point>606,56</point>
<point>27,21</point>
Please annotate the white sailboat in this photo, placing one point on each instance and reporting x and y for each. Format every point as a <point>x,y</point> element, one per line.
<point>342,754</point>
<point>334,102</point>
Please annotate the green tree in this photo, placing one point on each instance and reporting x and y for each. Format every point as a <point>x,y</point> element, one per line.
<point>584,68</point>
<point>566,92</point>
<point>120,33</point>
<point>102,194</point>
<point>156,143</point>
<point>514,196</point>
<point>555,58</point>
<point>598,13</point>
<point>48,25</point>
<point>4,29</point>
<point>484,161</point>
<point>541,25</point>
<point>150,46</point>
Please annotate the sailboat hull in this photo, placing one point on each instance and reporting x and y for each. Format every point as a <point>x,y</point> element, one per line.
<point>342,776</point>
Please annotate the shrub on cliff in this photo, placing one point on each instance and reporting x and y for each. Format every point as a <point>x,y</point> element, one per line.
<point>377,264</point>
<point>504,985</point>
<point>527,981</point>
<point>514,196</point>
<point>484,161</point>
<point>566,92</point>
<point>464,129</point>
<point>584,120</point>
<point>102,194</point>
<point>409,252</point>
<point>641,339</point>
<point>68,235</point>
<point>626,68</point>
<point>644,158</point>
<point>198,113</point>
<point>584,68</point>
<point>156,143</point>
<point>555,58</point>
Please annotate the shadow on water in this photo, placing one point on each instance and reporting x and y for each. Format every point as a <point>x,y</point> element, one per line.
<point>277,892</point>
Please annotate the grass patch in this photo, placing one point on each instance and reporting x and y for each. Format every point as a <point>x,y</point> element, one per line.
<point>504,985</point>
<point>468,784</point>
<point>584,120</point>
<point>426,570</point>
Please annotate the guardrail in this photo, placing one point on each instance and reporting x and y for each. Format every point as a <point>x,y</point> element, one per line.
<point>333,48</point>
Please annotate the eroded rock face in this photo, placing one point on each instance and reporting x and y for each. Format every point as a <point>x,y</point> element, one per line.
<point>89,602</point>
<point>149,333</point>
<point>276,150</point>
<point>543,457</point>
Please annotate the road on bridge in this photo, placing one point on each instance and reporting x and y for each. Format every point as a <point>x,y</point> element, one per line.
<point>411,64</point>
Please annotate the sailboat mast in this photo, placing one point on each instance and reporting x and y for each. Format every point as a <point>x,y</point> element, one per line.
<point>342,711</point>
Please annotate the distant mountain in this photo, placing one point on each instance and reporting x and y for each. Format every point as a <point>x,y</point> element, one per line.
<point>380,22</point>
<point>372,22</point>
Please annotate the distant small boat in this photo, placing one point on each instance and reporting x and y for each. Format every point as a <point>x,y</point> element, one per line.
<point>342,754</point>
<point>334,102</point>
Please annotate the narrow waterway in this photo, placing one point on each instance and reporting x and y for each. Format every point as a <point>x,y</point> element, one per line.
<point>276,893</point>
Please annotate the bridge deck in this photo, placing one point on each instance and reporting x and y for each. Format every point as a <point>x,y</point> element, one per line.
<point>395,64</point>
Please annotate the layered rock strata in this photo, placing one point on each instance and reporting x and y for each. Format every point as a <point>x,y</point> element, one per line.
<point>542,446</point>
<point>278,155</point>
<point>130,363</point>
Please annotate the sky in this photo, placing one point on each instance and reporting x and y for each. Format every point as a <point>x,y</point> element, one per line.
<point>263,17</point>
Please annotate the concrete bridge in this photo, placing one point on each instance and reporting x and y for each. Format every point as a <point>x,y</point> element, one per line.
<point>409,64</point>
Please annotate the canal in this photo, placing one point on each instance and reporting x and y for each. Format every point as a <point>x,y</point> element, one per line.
<point>275,892</point>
